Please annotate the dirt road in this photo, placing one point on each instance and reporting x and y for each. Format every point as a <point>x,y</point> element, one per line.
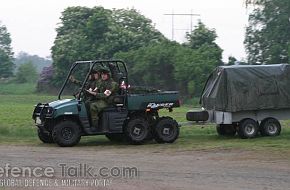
<point>164,169</point>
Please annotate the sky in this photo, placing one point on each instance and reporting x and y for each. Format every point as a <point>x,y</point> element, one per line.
<point>32,23</point>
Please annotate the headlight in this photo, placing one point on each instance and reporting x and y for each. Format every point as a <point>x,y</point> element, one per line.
<point>49,111</point>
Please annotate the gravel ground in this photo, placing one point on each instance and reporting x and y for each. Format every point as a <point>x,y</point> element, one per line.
<point>223,169</point>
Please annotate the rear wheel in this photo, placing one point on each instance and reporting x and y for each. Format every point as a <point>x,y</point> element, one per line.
<point>137,130</point>
<point>66,133</point>
<point>248,128</point>
<point>45,137</point>
<point>226,130</point>
<point>166,130</point>
<point>270,127</point>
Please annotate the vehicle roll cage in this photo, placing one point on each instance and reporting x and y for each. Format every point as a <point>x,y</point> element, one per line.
<point>117,63</point>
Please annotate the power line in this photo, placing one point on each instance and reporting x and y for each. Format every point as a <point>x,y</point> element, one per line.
<point>180,14</point>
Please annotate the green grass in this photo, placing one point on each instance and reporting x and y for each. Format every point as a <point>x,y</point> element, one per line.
<point>17,127</point>
<point>16,124</point>
<point>17,89</point>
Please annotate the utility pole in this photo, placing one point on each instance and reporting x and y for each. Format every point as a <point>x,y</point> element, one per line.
<point>180,14</point>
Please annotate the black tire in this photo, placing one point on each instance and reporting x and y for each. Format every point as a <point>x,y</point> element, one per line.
<point>270,127</point>
<point>248,128</point>
<point>137,130</point>
<point>197,115</point>
<point>166,130</point>
<point>45,137</point>
<point>66,134</point>
<point>226,130</point>
<point>116,137</point>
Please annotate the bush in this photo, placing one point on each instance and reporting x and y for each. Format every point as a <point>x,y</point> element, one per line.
<point>44,83</point>
<point>192,102</point>
<point>26,73</point>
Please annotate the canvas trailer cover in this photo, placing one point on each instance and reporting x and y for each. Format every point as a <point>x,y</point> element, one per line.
<point>247,88</point>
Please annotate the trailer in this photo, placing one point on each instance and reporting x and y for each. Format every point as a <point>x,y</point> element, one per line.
<point>245,99</point>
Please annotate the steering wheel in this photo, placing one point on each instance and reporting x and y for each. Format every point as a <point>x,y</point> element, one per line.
<point>79,93</point>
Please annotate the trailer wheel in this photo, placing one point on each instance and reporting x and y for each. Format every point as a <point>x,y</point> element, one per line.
<point>166,130</point>
<point>226,130</point>
<point>66,134</point>
<point>248,128</point>
<point>45,137</point>
<point>137,130</point>
<point>270,127</point>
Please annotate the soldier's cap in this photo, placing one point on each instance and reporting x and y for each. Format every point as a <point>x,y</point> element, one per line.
<point>94,71</point>
<point>104,70</point>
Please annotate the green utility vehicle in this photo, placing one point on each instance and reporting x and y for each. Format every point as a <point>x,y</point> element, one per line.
<point>133,115</point>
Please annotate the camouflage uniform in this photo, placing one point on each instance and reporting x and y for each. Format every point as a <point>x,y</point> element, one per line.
<point>91,84</point>
<point>94,86</point>
<point>102,101</point>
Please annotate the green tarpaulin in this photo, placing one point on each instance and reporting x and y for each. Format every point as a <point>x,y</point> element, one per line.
<point>247,87</point>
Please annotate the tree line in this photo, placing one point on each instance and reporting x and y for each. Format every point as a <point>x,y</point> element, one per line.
<point>153,60</point>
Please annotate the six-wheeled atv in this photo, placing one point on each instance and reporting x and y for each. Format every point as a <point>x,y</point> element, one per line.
<point>133,116</point>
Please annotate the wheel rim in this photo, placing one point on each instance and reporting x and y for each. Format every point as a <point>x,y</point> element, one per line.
<point>67,133</point>
<point>167,131</point>
<point>272,128</point>
<point>138,131</point>
<point>250,129</point>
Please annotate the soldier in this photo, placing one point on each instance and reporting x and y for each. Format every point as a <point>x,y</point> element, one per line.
<point>94,75</point>
<point>92,85</point>
<point>104,97</point>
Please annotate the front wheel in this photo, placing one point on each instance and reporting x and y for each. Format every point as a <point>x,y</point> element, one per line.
<point>166,130</point>
<point>66,134</point>
<point>45,137</point>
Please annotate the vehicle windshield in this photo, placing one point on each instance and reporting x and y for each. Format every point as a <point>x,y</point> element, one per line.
<point>79,78</point>
<point>75,81</point>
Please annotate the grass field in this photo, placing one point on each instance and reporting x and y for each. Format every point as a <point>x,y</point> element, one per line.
<point>17,89</point>
<point>17,127</point>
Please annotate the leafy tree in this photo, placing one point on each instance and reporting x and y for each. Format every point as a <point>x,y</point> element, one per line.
<point>196,65</point>
<point>38,62</point>
<point>268,34</point>
<point>231,60</point>
<point>191,88</point>
<point>170,65</point>
<point>6,54</point>
<point>94,33</point>
<point>98,33</point>
<point>130,31</point>
<point>198,60</point>
<point>71,43</point>
<point>26,73</point>
<point>152,65</point>
<point>201,35</point>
